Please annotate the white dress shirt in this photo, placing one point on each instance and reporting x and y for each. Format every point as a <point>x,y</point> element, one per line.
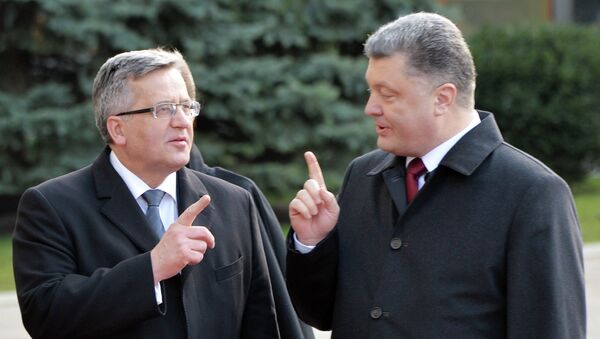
<point>137,187</point>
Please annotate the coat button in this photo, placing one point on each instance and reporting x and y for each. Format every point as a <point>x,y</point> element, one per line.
<point>396,243</point>
<point>376,313</point>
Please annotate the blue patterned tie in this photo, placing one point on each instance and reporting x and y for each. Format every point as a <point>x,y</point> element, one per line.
<point>153,198</point>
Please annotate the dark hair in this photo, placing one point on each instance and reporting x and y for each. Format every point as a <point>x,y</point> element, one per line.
<point>434,47</point>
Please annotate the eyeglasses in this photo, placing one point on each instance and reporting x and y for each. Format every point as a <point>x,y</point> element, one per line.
<point>167,110</point>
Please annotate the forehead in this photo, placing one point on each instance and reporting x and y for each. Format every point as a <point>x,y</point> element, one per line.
<point>386,68</point>
<point>393,72</point>
<point>161,84</point>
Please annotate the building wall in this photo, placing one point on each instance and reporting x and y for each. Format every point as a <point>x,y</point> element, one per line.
<point>472,14</point>
<point>476,13</point>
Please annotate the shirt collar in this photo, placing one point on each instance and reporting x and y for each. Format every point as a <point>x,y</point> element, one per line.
<point>137,186</point>
<point>433,158</point>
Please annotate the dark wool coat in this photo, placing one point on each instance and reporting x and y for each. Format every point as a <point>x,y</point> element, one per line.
<point>489,248</point>
<point>82,263</point>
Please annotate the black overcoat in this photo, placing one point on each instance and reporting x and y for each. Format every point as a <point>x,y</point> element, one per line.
<point>82,263</point>
<point>489,248</point>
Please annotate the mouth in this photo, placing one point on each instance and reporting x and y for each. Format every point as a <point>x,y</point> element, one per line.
<point>381,129</point>
<point>179,141</point>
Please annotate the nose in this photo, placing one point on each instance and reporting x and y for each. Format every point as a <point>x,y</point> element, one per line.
<point>372,108</point>
<point>181,120</point>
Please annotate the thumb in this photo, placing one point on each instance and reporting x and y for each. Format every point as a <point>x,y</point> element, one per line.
<point>187,217</point>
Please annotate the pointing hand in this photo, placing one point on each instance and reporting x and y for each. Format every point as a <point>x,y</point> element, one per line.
<point>314,211</point>
<point>182,244</point>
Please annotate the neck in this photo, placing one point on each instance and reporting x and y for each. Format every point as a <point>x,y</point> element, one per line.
<point>153,176</point>
<point>458,120</point>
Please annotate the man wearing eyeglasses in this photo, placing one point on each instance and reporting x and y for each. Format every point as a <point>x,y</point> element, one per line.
<point>136,245</point>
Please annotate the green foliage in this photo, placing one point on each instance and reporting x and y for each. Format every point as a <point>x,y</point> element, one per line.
<point>7,280</point>
<point>44,134</point>
<point>275,77</point>
<point>542,84</point>
<point>587,200</point>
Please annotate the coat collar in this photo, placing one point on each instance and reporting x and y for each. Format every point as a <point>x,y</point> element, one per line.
<point>123,211</point>
<point>468,153</point>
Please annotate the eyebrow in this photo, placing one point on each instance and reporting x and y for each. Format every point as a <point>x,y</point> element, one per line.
<point>383,85</point>
<point>173,101</point>
<point>380,83</point>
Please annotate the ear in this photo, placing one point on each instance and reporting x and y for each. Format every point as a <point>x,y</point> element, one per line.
<point>445,96</point>
<point>116,129</point>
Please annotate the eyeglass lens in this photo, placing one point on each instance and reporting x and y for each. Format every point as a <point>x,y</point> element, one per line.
<point>168,110</point>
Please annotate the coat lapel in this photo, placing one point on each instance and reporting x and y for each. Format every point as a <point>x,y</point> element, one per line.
<point>393,173</point>
<point>119,205</point>
<point>189,189</point>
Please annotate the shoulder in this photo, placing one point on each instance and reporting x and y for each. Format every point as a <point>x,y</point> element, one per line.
<point>217,186</point>
<point>517,162</point>
<point>66,194</point>
<point>370,160</point>
<point>68,185</point>
<point>522,172</point>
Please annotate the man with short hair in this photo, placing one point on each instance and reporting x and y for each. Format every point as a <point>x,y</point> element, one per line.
<point>445,231</point>
<point>136,245</point>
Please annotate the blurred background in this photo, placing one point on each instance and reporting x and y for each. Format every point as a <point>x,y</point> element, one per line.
<point>278,77</point>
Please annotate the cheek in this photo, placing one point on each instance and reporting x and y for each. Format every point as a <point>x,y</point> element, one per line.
<point>399,118</point>
<point>408,121</point>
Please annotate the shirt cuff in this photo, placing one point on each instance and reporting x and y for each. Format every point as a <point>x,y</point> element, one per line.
<point>158,294</point>
<point>300,247</point>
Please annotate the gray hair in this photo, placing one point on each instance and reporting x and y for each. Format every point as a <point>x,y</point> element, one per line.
<point>110,92</point>
<point>434,47</point>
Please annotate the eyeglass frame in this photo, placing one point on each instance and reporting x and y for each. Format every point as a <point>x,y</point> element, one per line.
<point>173,111</point>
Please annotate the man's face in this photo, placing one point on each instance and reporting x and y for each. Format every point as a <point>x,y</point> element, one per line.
<point>157,147</point>
<point>402,107</point>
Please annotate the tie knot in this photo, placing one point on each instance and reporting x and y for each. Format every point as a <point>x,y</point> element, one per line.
<point>416,167</point>
<point>153,197</point>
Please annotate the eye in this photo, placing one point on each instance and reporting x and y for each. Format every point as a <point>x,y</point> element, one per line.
<point>164,110</point>
<point>386,94</point>
<point>186,106</point>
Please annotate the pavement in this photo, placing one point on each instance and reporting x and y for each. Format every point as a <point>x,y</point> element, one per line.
<point>11,326</point>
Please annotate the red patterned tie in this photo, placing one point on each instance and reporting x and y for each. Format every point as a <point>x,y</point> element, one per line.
<point>415,169</point>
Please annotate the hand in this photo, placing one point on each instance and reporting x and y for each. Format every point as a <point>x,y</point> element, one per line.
<point>182,244</point>
<point>314,211</point>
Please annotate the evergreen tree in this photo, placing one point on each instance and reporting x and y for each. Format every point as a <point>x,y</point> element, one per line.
<point>275,77</point>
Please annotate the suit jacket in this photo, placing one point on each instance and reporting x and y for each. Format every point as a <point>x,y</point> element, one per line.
<point>273,241</point>
<point>82,263</point>
<point>489,248</point>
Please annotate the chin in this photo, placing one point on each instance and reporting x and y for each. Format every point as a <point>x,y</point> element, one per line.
<point>384,145</point>
<point>180,161</point>
<point>390,147</point>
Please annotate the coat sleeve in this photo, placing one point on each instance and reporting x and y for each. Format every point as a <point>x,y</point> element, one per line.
<point>55,301</point>
<point>311,280</point>
<point>312,277</point>
<point>545,277</point>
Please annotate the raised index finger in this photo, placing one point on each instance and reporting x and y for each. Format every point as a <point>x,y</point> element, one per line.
<point>187,217</point>
<point>314,170</point>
